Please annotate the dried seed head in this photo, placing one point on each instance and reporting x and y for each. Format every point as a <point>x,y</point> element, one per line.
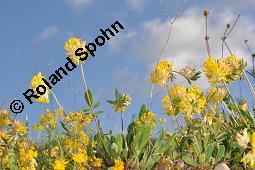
<point>206,13</point>
<point>228,25</point>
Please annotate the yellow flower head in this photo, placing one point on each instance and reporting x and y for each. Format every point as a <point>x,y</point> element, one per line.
<point>208,119</point>
<point>80,158</point>
<point>249,159</point>
<point>167,106</point>
<point>19,127</point>
<point>54,151</point>
<point>4,117</point>
<point>216,95</point>
<point>60,164</point>
<point>161,73</point>
<point>244,139</point>
<point>35,82</point>
<point>118,165</point>
<point>177,92</point>
<point>216,72</point>
<point>147,119</point>
<point>188,72</point>
<point>236,66</point>
<point>71,46</point>
<point>193,102</point>
<point>253,140</point>
<point>121,103</point>
<point>97,162</point>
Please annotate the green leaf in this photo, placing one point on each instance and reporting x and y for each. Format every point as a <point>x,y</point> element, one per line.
<point>208,152</point>
<point>162,149</point>
<point>89,98</point>
<point>197,148</point>
<point>111,102</point>
<point>144,136</point>
<point>143,110</point>
<point>220,153</point>
<point>116,94</point>
<point>188,160</point>
<point>202,158</point>
<point>98,113</point>
<point>96,105</point>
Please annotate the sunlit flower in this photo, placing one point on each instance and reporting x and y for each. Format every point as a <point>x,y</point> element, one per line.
<point>80,158</point>
<point>190,73</point>
<point>249,158</point>
<point>216,72</point>
<point>60,164</point>
<point>236,66</point>
<point>121,103</point>
<point>244,139</point>
<point>216,95</point>
<point>19,127</point>
<point>243,104</point>
<point>161,73</point>
<point>253,139</point>
<point>167,105</point>
<point>177,92</point>
<point>97,162</point>
<point>193,102</point>
<point>4,117</point>
<point>71,46</point>
<point>35,82</point>
<point>147,119</point>
<point>118,165</point>
<point>54,151</point>
<point>208,119</point>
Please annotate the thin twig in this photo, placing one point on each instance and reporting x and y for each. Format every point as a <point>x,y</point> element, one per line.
<point>172,21</point>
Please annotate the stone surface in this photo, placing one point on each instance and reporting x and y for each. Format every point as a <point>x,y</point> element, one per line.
<point>221,166</point>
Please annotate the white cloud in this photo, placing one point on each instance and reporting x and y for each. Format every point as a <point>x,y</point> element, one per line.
<point>136,4</point>
<point>187,44</point>
<point>77,4</point>
<point>47,32</point>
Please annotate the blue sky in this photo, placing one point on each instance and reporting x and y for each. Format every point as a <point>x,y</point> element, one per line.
<point>33,34</point>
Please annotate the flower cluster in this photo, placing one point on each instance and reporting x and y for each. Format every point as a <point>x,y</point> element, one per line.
<point>161,73</point>
<point>188,101</point>
<point>224,69</point>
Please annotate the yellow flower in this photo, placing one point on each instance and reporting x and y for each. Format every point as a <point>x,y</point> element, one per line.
<point>54,151</point>
<point>236,66</point>
<point>60,164</point>
<point>249,158</point>
<point>177,92</point>
<point>4,117</point>
<point>19,127</point>
<point>97,162</point>
<point>35,82</point>
<point>147,119</point>
<point>161,73</point>
<point>253,139</point>
<point>162,121</point>
<point>118,165</point>
<point>216,95</point>
<point>167,105</point>
<point>121,103</point>
<point>243,105</point>
<point>80,158</point>
<point>208,119</point>
<point>188,72</point>
<point>244,139</point>
<point>71,46</point>
<point>216,72</point>
<point>193,102</point>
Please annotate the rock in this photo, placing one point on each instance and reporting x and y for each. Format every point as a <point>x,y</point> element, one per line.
<point>221,166</point>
